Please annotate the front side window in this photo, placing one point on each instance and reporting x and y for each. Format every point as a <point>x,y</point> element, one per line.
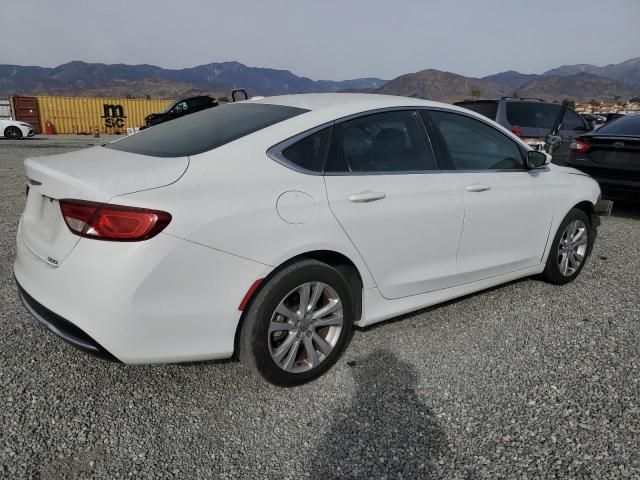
<point>205,130</point>
<point>474,145</point>
<point>392,141</point>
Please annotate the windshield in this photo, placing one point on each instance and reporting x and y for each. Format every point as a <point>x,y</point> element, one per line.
<point>171,105</point>
<point>204,130</point>
<point>622,126</point>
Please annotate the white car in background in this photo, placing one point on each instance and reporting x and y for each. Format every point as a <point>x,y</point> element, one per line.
<point>269,228</point>
<point>15,130</point>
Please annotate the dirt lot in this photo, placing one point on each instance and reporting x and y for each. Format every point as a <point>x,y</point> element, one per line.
<point>527,380</point>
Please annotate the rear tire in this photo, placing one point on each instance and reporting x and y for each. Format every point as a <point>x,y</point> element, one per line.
<point>570,248</point>
<point>13,132</point>
<point>298,324</point>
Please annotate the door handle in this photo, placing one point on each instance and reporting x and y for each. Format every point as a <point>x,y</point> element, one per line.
<point>478,187</point>
<point>364,197</point>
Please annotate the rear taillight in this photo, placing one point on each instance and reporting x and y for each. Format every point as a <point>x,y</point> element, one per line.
<point>578,146</point>
<point>103,221</point>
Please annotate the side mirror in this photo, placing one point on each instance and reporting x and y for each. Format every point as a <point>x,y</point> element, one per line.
<point>553,142</point>
<point>537,159</point>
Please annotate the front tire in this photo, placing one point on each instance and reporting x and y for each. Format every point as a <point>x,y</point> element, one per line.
<point>570,248</point>
<point>298,324</point>
<point>13,133</point>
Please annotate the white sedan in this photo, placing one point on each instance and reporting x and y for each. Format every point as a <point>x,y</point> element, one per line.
<point>15,130</point>
<point>269,228</point>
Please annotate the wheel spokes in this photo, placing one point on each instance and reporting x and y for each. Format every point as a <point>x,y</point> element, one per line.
<point>312,355</point>
<point>305,327</point>
<point>333,305</point>
<point>332,320</point>
<point>282,350</point>
<point>323,346</point>
<point>290,359</point>
<point>305,292</point>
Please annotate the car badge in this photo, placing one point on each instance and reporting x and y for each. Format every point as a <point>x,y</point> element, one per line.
<point>618,144</point>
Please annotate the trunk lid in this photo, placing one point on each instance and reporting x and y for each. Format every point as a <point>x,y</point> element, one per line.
<point>610,156</point>
<point>96,174</point>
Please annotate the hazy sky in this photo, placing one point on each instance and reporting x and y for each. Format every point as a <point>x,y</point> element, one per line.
<point>325,39</point>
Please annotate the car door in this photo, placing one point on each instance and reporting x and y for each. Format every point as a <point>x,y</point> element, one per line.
<point>403,216</point>
<point>507,209</point>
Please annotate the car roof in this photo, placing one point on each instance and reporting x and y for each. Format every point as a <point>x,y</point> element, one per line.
<point>323,108</point>
<point>348,103</point>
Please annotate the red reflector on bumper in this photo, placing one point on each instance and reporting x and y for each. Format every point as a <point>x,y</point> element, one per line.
<point>249,294</point>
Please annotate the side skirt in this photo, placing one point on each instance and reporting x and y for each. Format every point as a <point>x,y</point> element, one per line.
<point>376,308</point>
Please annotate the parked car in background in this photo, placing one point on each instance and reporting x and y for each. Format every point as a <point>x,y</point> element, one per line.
<point>15,130</point>
<point>532,120</point>
<point>183,107</point>
<point>612,116</point>
<point>271,227</point>
<point>611,155</point>
<point>593,119</point>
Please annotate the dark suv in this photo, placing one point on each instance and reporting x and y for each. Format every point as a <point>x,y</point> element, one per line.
<point>532,119</point>
<point>181,108</point>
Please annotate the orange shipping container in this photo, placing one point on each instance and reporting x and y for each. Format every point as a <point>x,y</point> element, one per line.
<point>84,114</point>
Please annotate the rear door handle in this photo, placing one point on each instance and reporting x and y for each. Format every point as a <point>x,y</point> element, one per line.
<point>364,197</point>
<point>478,187</point>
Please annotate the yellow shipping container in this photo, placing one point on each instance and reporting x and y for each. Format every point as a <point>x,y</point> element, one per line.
<point>84,114</point>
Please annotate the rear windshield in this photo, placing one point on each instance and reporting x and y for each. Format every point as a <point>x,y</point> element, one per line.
<point>488,109</point>
<point>204,130</point>
<point>622,126</point>
<point>532,114</point>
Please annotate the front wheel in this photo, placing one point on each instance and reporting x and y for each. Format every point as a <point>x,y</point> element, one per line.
<point>298,325</point>
<point>13,132</point>
<point>570,248</point>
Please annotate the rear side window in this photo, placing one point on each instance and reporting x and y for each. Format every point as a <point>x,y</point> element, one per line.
<point>474,145</point>
<point>532,114</point>
<point>392,141</point>
<point>622,126</point>
<point>205,130</point>
<point>310,152</point>
<point>487,109</point>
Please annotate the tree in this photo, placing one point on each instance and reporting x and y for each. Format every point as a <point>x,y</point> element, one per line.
<point>223,99</point>
<point>572,103</point>
<point>475,93</point>
<point>616,98</point>
<point>634,99</point>
<point>593,102</point>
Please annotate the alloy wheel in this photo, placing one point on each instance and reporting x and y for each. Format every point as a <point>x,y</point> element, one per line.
<point>305,327</point>
<point>13,133</point>
<point>572,248</point>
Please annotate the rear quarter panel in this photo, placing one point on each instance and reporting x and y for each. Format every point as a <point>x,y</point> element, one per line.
<point>227,201</point>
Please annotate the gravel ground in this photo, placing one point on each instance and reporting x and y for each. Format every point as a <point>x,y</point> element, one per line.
<point>526,380</point>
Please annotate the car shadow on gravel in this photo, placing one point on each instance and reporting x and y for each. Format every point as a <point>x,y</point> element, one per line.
<point>387,431</point>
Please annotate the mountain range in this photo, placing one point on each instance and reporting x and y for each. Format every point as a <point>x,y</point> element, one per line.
<point>578,82</point>
<point>76,78</point>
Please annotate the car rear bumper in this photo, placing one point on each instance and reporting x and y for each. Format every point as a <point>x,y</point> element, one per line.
<point>62,327</point>
<point>158,301</point>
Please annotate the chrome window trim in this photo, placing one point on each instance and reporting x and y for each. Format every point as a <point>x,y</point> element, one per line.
<point>275,152</point>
